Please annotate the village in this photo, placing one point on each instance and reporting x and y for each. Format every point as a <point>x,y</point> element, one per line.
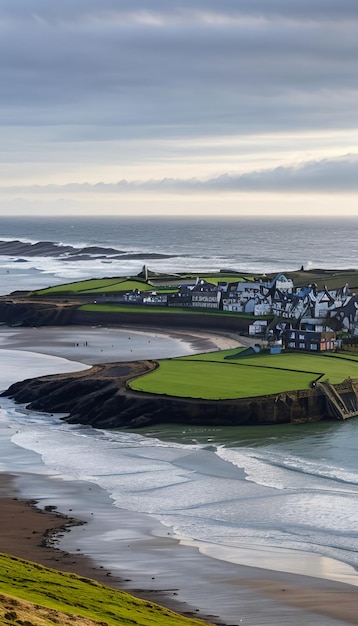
<point>300,318</point>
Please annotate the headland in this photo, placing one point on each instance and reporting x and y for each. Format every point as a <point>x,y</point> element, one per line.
<point>273,310</point>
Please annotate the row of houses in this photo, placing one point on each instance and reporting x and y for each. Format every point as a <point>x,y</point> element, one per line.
<point>284,306</point>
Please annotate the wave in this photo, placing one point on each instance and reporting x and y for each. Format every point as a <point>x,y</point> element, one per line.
<point>282,471</point>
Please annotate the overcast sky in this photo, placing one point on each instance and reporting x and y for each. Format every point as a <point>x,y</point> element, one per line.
<point>188,107</point>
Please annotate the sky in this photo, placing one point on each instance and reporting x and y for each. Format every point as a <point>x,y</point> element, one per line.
<point>193,107</point>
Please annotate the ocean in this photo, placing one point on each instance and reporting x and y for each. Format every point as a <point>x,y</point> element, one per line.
<point>210,244</point>
<point>283,496</point>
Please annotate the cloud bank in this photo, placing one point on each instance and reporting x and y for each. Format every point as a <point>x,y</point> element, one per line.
<point>106,90</point>
<point>330,175</point>
<point>194,66</point>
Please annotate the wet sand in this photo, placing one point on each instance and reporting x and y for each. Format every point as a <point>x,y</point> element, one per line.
<point>33,534</point>
<point>260,596</point>
<point>30,533</point>
<point>187,579</point>
<point>92,345</point>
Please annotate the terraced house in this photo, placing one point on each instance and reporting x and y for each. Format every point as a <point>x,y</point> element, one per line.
<point>306,308</point>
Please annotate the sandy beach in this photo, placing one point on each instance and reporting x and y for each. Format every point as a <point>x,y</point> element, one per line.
<point>29,533</point>
<point>91,345</point>
<point>178,576</point>
<point>260,596</point>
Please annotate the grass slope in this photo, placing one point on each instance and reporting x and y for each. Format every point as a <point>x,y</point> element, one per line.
<point>39,596</point>
<point>217,381</point>
<point>14,611</point>
<point>125,285</point>
<point>127,308</point>
<point>213,376</point>
<point>96,285</point>
<point>333,279</point>
<point>117,284</point>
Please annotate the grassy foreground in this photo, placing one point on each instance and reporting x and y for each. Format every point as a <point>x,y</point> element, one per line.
<point>37,596</point>
<point>231,374</point>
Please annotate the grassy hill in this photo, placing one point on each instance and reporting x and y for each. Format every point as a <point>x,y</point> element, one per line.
<point>332,279</point>
<point>95,286</point>
<point>33,595</point>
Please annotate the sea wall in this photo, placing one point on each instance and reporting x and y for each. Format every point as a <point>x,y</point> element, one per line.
<point>100,397</point>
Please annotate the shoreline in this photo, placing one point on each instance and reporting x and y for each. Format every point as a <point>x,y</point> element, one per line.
<point>289,596</point>
<point>96,345</point>
<point>31,533</point>
<point>35,534</point>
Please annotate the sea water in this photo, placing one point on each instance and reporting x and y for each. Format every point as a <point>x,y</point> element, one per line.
<point>281,492</point>
<point>199,245</point>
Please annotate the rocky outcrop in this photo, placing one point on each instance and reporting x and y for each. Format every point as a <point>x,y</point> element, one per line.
<point>100,397</point>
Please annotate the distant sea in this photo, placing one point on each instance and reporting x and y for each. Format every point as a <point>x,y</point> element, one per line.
<point>205,244</point>
<point>230,491</point>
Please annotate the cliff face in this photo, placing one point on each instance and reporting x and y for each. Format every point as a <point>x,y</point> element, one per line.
<point>99,397</point>
<point>18,313</point>
<point>24,312</point>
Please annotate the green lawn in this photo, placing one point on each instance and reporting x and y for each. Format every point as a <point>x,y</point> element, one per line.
<point>332,367</point>
<point>77,596</point>
<point>218,381</point>
<point>224,278</point>
<point>124,285</point>
<point>127,308</point>
<point>343,355</point>
<point>335,366</point>
<point>211,376</point>
<point>111,285</point>
<point>218,356</point>
<point>96,285</point>
<point>133,308</point>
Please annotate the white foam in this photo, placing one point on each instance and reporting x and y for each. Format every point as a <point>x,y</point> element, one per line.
<point>283,471</point>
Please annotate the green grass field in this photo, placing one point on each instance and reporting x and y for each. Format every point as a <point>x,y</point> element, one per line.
<point>127,308</point>
<point>133,308</point>
<point>124,285</point>
<point>116,284</point>
<point>57,596</point>
<point>217,381</point>
<point>224,278</point>
<point>214,377</point>
<point>219,356</point>
<point>96,285</point>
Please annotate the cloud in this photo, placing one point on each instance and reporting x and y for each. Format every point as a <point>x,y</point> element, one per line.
<point>82,9</point>
<point>152,93</point>
<point>329,175</point>
<point>191,66</point>
<point>338,175</point>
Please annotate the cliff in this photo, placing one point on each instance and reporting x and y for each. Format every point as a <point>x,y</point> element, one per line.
<point>99,397</point>
<point>18,310</point>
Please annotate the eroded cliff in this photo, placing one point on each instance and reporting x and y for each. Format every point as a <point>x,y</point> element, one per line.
<point>99,397</point>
